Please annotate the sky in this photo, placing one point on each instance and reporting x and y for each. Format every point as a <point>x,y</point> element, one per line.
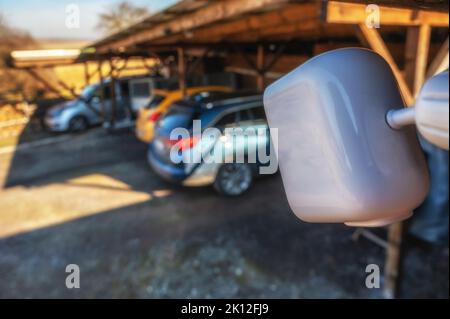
<point>47,19</point>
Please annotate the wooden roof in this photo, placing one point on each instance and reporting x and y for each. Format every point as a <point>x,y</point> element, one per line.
<point>194,22</point>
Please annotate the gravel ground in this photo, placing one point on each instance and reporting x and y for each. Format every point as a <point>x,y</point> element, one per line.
<point>93,201</point>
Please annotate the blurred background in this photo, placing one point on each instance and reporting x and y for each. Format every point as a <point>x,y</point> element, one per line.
<point>76,186</point>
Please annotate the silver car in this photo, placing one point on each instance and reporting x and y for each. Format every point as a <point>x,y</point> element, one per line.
<point>87,110</point>
<point>232,149</point>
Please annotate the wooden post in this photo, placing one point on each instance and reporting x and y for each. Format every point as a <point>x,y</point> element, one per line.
<point>260,68</point>
<point>392,266</point>
<point>35,74</point>
<point>181,71</point>
<point>269,64</point>
<point>86,73</point>
<point>192,66</point>
<point>416,56</point>
<point>113,95</point>
<point>373,38</point>
<point>102,89</point>
<point>416,59</point>
<point>440,62</point>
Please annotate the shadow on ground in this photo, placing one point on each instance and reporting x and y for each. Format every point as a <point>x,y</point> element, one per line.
<point>174,242</point>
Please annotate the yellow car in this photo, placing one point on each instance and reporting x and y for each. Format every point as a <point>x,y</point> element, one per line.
<point>160,104</point>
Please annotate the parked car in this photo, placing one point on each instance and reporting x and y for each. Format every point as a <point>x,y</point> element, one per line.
<point>87,110</point>
<point>160,103</point>
<point>230,111</point>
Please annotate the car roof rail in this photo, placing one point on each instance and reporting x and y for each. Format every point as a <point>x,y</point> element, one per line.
<point>233,101</point>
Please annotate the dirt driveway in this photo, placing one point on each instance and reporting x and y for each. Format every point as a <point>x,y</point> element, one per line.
<point>91,200</point>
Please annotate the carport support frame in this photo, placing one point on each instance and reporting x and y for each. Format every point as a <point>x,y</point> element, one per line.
<point>113,95</point>
<point>418,41</point>
<point>35,75</point>
<point>372,38</point>
<point>440,62</point>
<point>261,67</point>
<point>102,85</point>
<point>182,71</point>
<point>86,73</point>
<point>416,56</point>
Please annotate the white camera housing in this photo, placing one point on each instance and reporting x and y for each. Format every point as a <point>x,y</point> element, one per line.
<point>432,110</point>
<point>339,159</point>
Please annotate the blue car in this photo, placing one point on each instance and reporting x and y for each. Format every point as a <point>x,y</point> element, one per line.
<point>193,160</point>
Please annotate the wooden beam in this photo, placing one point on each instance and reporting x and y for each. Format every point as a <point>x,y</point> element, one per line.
<point>373,38</point>
<point>34,74</point>
<point>251,25</point>
<point>440,62</point>
<point>355,13</point>
<point>393,260</point>
<point>50,63</point>
<point>416,56</point>
<point>181,71</point>
<point>268,66</point>
<point>193,66</point>
<point>250,72</point>
<point>294,13</point>
<point>301,27</point>
<point>216,11</point>
<point>113,97</point>
<point>260,67</point>
<point>284,64</point>
<point>102,91</point>
<point>86,73</point>
<point>311,30</point>
<point>245,56</point>
<point>68,89</point>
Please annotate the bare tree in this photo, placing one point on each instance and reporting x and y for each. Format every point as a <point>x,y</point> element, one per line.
<point>120,16</point>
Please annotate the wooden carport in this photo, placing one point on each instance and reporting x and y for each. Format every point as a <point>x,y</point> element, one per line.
<point>259,37</point>
<point>35,61</point>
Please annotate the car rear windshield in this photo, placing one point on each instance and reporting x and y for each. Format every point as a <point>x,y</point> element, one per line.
<point>155,101</point>
<point>178,117</point>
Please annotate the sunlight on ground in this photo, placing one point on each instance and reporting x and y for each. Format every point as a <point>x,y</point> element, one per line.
<point>98,180</point>
<point>28,209</point>
<point>5,163</point>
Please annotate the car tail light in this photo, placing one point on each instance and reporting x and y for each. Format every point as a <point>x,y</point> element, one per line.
<point>184,143</point>
<point>154,117</point>
<point>187,143</point>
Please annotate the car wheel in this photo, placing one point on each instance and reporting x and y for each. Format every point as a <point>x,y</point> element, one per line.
<point>78,124</point>
<point>233,179</point>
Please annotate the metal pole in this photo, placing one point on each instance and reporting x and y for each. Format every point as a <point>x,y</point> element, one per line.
<point>401,117</point>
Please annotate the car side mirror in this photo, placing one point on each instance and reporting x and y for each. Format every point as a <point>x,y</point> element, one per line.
<point>341,155</point>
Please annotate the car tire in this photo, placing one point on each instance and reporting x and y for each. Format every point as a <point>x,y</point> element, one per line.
<point>233,179</point>
<point>78,124</point>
